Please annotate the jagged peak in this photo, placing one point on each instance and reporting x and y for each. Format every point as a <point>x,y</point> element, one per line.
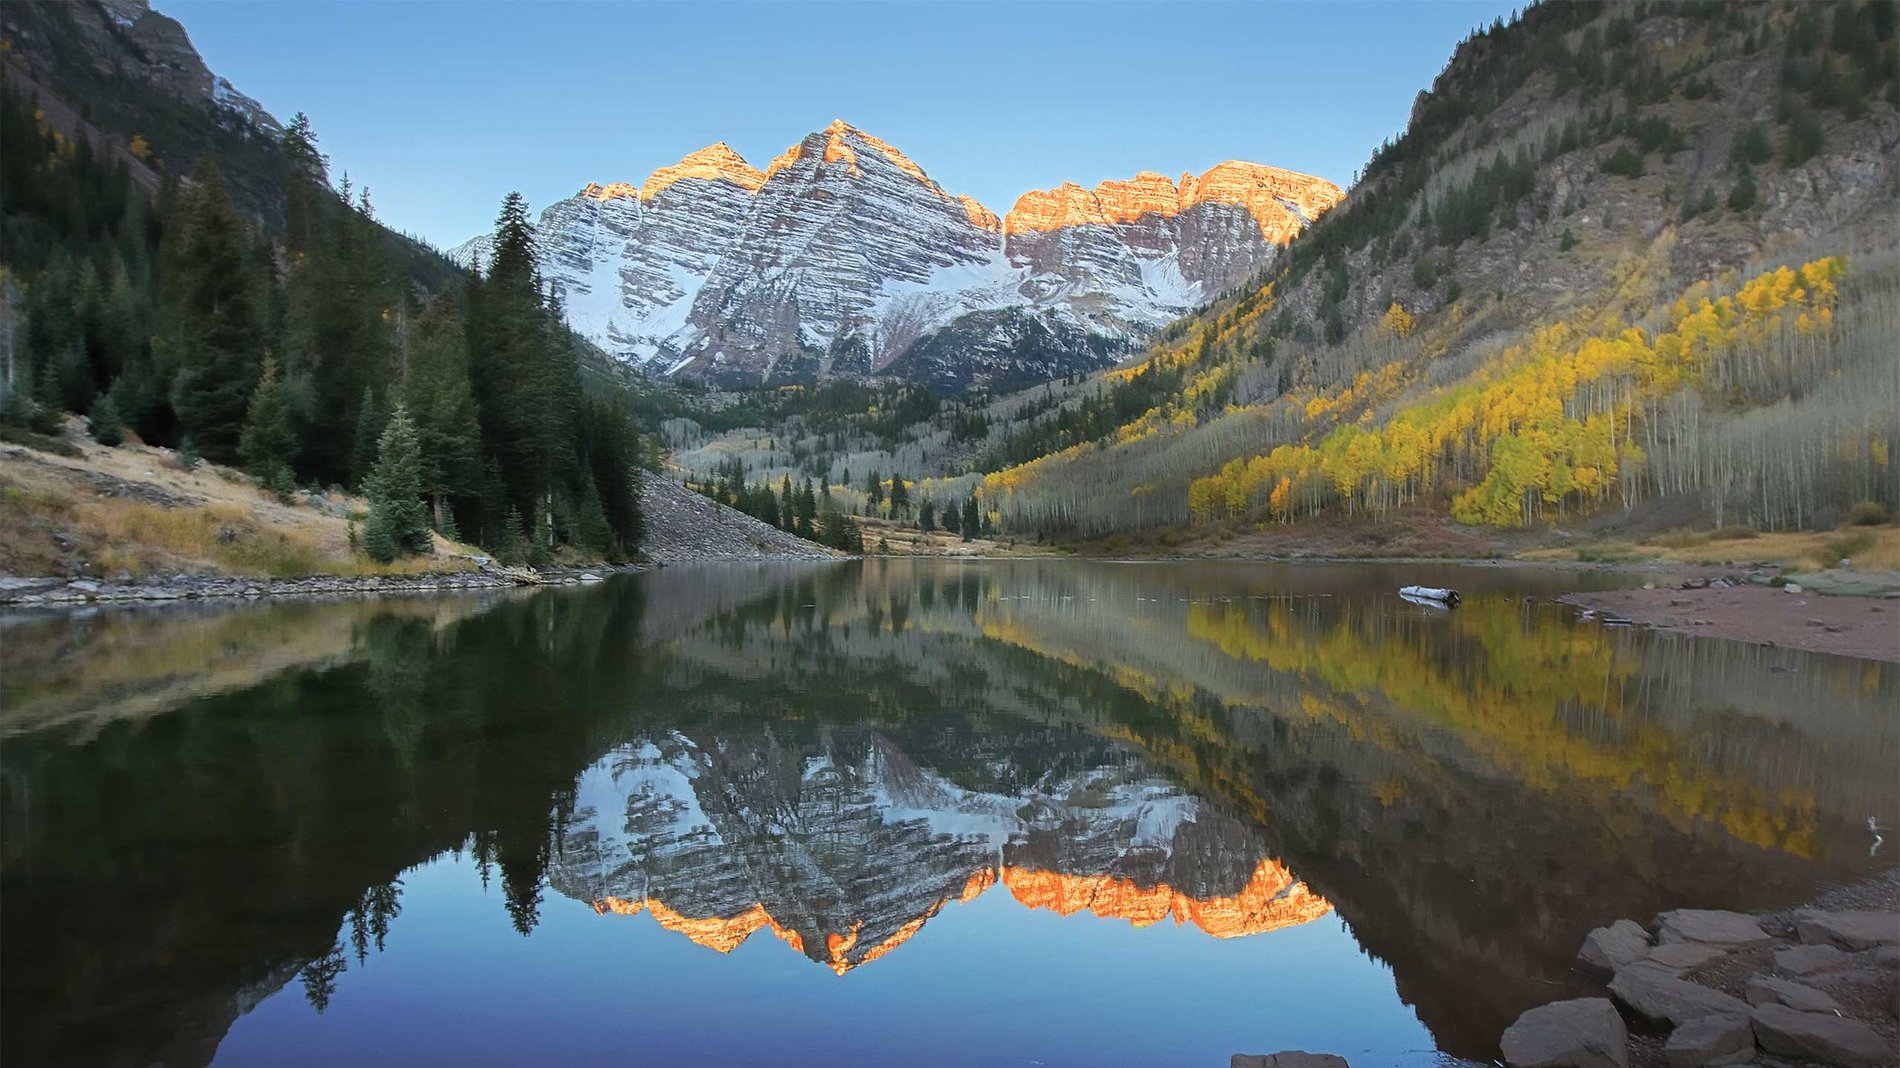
<point>715,162</point>
<point>1281,201</point>
<point>839,142</point>
<point>1272,899</point>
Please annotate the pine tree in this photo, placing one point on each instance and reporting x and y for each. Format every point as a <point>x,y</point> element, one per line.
<point>785,509</point>
<point>268,444</point>
<point>370,423</point>
<point>436,392</point>
<point>972,519</point>
<point>900,497</point>
<point>213,307</point>
<point>103,422</point>
<point>952,518</point>
<point>806,509</point>
<point>398,523</point>
<point>1741,196</point>
<point>874,491</point>
<point>927,517</point>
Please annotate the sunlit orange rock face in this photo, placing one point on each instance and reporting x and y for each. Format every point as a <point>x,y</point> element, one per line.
<point>1271,900</point>
<point>1280,201</point>
<point>713,162</point>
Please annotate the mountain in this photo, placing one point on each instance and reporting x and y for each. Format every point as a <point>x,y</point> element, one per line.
<point>843,258</point>
<point>1628,263</point>
<point>718,840</point>
<point>128,78</point>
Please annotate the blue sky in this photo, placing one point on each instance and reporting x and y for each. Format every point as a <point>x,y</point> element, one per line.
<point>443,107</point>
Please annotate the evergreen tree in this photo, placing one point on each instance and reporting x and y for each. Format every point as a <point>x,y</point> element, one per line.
<point>398,523</point>
<point>268,444</point>
<point>972,519</point>
<point>1741,196</point>
<point>900,497</point>
<point>874,492</point>
<point>436,392</point>
<point>952,518</point>
<point>103,422</point>
<point>806,508</point>
<point>927,516</point>
<point>785,509</point>
<point>368,436</point>
<point>212,315</point>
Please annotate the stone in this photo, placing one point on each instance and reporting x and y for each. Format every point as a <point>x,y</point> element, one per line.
<point>1851,930</point>
<point>1661,996</point>
<point>1711,1040</point>
<point>1682,956</point>
<point>1818,1036</point>
<point>1792,587</point>
<point>1608,948</point>
<point>1580,1033</point>
<point>83,586</point>
<point>1713,927</point>
<point>1767,990</point>
<point>1887,956</point>
<point>1807,960</point>
<point>1291,1058</point>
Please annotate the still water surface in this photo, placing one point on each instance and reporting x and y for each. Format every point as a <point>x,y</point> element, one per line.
<point>929,813</point>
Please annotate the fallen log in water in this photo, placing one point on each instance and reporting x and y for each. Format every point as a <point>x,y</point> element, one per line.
<point>1430,595</point>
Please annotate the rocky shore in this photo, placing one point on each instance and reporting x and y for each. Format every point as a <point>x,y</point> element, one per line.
<point>1738,609</point>
<point>1813,985</point>
<point>28,592</point>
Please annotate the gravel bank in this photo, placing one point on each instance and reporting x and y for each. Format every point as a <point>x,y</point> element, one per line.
<point>683,526</point>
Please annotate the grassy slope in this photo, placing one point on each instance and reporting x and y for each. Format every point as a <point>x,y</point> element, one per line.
<point>100,511</point>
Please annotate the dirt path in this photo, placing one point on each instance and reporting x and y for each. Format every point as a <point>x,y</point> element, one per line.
<point>1845,626</point>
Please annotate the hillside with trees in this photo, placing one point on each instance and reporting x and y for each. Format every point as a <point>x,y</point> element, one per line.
<point>1636,258</point>
<point>306,355</point>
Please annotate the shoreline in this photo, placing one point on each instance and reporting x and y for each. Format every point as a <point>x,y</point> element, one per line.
<point>1789,617</point>
<point>81,591</point>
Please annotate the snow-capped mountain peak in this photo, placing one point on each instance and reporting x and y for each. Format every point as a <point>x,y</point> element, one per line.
<point>843,257</point>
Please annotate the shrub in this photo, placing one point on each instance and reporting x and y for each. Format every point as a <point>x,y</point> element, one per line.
<point>1847,546</point>
<point>1867,514</point>
<point>1624,161</point>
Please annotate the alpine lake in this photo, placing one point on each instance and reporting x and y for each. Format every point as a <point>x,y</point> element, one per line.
<point>924,812</point>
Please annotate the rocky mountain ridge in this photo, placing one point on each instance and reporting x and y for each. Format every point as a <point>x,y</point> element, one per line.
<point>844,258</point>
<point>718,841</point>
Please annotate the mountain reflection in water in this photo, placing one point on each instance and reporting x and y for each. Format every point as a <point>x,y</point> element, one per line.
<point>211,809</point>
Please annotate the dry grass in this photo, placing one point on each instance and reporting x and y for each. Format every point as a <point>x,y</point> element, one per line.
<point>1869,548</point>
<point>134,509</point>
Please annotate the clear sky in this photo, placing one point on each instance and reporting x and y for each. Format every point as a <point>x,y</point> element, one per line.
<point>443,107</point>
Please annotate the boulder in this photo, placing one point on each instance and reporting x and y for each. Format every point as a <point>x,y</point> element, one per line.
<point>1711,927</point>
<point>1291,1058</point>
<point>1607,949</point>
<point>1818,1036</point>
<point>1808,960</point>
<point>1766,990</point>
<point>1711,1040</point>
<point>1852,930</point>
<point>1661,996</point>
<point>1580,1033</point>
<point>1682,956</point>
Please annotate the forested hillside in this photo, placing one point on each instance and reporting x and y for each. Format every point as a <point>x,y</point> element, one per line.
<point>305,353</point>
<point>1641,256</point>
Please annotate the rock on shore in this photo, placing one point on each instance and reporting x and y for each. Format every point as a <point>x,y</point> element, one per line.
<point>1814,986</point>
